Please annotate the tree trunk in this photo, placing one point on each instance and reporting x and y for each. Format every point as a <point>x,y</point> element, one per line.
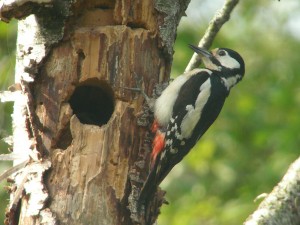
<point>73,62</point>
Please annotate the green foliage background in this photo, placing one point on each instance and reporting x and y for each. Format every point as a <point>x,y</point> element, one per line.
<point>256,137</point>
<point>7,64</point>
<point>250,146</point>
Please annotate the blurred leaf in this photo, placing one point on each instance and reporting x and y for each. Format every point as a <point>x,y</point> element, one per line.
<point>250,146</point>
<point>7,66</point>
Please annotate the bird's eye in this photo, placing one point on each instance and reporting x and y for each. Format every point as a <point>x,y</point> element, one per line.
<point>222,53</point>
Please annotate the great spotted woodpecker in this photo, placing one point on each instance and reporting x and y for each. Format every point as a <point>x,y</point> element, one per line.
<point>187,108</point>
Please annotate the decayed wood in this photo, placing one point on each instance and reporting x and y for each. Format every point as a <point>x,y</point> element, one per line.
<point>99,157</point>
<point>89,182</point>
<point>89,179</point>
<point>21,8</point>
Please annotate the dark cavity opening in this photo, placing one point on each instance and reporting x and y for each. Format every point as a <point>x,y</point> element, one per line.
<point>93,102</point>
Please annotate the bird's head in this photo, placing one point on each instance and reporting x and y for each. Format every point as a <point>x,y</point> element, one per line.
<point>224,60</point>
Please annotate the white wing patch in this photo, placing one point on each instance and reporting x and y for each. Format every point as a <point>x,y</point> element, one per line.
<point>194,113</point>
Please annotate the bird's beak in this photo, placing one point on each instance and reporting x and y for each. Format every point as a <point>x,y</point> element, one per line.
<point>207,57</point>
<point>201,51</point>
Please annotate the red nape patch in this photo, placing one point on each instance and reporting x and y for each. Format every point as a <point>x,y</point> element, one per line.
<point>155,126</point>
<point>158,145</point>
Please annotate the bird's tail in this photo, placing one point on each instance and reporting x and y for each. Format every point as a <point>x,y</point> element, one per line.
<point>150,185</point>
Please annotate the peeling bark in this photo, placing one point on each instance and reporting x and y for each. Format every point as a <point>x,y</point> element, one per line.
<point>73,61</point>
<point>91,174</point>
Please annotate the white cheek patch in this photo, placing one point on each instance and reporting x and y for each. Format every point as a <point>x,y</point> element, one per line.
<point>229,62</point>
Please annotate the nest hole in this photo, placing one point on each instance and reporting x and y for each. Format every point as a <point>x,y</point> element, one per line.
<point>93,102</point>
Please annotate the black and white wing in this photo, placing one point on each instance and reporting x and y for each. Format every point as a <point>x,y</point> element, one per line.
<point>187,111</point>
<point>194,94</point>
